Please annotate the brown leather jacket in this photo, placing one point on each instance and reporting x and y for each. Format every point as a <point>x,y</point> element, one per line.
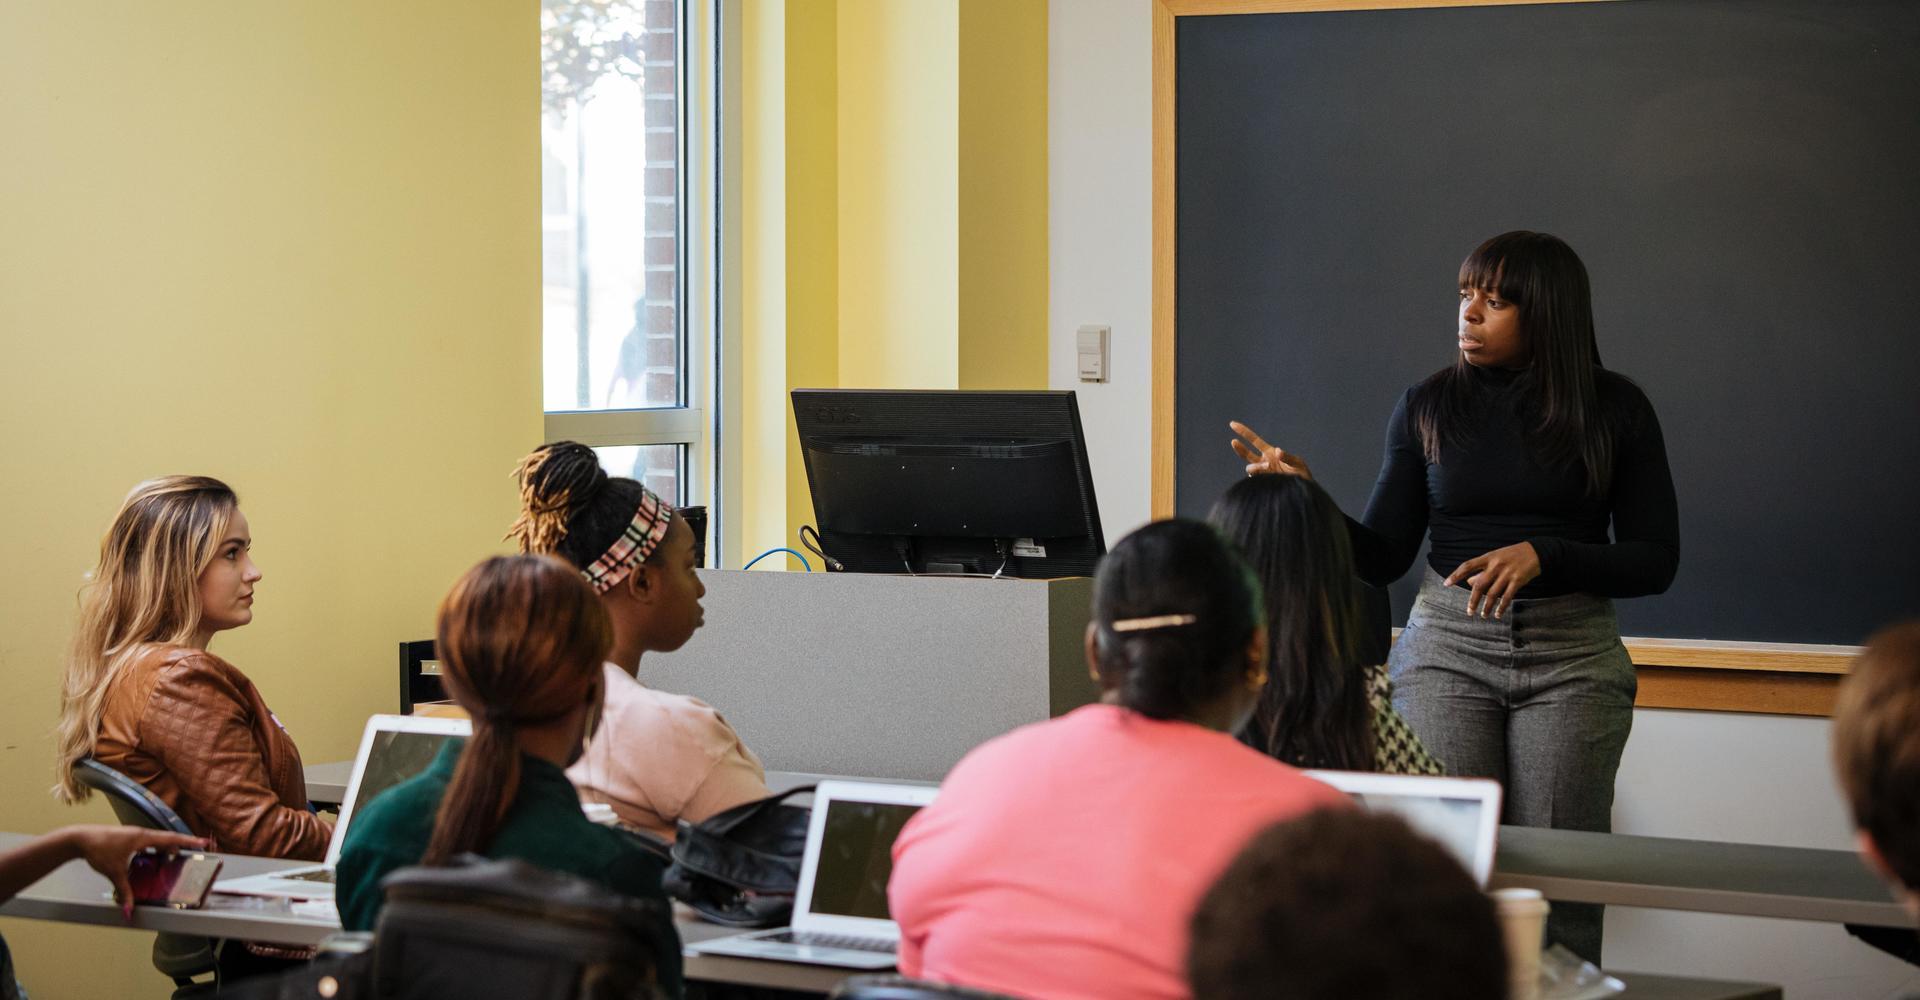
<point>194,730</point>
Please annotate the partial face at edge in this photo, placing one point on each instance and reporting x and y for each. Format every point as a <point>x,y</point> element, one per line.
<point>226,585</point>
<point>672,590</point>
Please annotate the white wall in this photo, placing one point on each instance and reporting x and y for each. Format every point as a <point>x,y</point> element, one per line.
<point>1717,776</point>
<point>1100,247</point>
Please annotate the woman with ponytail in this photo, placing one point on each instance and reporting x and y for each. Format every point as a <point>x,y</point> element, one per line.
<point>142,694</point>
<point>1065,858</point>
<point>657,758</point>
<point>520,640</point>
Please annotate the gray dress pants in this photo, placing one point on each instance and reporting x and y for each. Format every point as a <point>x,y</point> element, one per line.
<point>1540,701</point>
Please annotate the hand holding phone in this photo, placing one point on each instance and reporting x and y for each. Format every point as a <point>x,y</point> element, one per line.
<point>106,849</point>
<point>178,879</point>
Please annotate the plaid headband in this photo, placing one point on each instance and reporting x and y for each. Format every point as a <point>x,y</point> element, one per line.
<point>634,545</point>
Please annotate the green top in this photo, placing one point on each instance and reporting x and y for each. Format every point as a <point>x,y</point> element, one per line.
<point>544,826</point>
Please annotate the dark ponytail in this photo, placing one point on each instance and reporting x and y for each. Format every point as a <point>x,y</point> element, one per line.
<point>1174,607</point>
<point>1314,711</point>
<point>569,506</point>
<point>521,640</point>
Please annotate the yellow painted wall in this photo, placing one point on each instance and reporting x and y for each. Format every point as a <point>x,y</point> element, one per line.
<point>295,246</point>
<point>899,149</point>
<point>1003,194</point>
<point>763,265</point>
<point>812,228</point>
<point>895,214</point>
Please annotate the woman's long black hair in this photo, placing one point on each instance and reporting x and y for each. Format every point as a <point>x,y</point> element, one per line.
<point>1544,278</point>
<point>1314,711</point>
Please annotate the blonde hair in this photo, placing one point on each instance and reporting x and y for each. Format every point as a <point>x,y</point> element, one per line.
<point>144,591</point>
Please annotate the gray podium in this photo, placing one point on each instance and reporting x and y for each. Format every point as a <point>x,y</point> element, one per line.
<point>880,675</point>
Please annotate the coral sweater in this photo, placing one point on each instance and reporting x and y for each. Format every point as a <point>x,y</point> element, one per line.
<point>1065,859</point>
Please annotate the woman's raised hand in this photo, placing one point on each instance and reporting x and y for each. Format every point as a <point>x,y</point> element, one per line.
<point>1263,457</point>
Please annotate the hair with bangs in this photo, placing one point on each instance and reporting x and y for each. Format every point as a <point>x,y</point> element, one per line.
<point>1542,276</point>
<point>145,591</point>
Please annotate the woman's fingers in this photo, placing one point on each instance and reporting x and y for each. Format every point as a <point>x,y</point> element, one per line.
<point>1259,443</point>
<point>1466,569</point>
<point>1240,449</point>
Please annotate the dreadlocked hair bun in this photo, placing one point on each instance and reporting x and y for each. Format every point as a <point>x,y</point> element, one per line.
<point>556,481</point>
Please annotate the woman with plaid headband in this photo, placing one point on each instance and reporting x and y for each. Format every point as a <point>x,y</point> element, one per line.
<point>657,757</point>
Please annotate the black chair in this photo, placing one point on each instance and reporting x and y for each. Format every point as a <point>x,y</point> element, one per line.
<point>179,957</point>
<point>132,804</point>
<point>419,675</point>
<point>901,988</point>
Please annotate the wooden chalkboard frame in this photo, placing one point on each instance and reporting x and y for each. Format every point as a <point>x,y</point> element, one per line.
<point>1772,678</point>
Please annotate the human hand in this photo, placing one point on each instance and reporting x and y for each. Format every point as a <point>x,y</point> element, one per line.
<point>109,849</point>
<point>1262,457</point>
<point>1496,576</point>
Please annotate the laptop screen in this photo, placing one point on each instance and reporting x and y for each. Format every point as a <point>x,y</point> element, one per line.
<point>856,858</point>
<point>393,758</point>
<point>1454,822</point>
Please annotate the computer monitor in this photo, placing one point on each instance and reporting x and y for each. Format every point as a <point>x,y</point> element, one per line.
<point>928,481</point>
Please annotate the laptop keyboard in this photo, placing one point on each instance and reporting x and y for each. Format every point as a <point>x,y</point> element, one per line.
<point>878,946</point>
<point>316,875</point>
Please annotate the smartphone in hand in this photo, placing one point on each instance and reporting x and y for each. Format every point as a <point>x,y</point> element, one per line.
<point>179,879</point>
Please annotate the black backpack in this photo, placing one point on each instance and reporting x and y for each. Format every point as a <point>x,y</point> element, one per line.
<point>482,928</point>
<point>741,867</point>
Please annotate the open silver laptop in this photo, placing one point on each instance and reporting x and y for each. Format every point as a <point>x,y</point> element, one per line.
<point>1463,814</point>
<point>840,914</point>
<point>392,749</point>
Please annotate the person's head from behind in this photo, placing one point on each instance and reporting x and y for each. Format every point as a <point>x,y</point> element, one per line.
<point>1876,749</point>
<point>636,552</point>
<point>174,568</point>
<point>520,640</point>
<point>1314,711</point>
<point>1346,905</point>
<point>1176,630</point>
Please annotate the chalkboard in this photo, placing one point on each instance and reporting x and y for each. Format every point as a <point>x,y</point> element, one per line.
<point>1742,178</point>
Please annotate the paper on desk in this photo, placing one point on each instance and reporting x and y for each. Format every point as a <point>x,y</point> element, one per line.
<point>315,909</point>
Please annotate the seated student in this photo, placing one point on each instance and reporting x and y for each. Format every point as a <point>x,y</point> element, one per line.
<point>521,640</point>
<point>105,849</point>
<point>1346,906</point>
<point>657,757</point>
<point>1876,750</point>
<point>1322,708</point>
<point>1064,859</point>
<point>143,696</point>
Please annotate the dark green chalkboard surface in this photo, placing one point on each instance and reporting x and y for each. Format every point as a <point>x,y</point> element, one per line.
<point>1742,178</point>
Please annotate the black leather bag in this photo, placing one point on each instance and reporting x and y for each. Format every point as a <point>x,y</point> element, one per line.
<point>741,867</point>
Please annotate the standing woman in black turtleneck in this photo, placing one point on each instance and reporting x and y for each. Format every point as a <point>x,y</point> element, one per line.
<point>1514,460</point>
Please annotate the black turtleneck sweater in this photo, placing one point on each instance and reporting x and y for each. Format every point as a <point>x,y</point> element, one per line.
<point>1491,491</point>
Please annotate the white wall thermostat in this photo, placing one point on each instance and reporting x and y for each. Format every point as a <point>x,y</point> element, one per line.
<point>1092,341</point>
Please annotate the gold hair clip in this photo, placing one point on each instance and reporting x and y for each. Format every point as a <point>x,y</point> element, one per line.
<point>1157,621</point>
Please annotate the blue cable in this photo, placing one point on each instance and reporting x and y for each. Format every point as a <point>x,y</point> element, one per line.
<point>796,555</point>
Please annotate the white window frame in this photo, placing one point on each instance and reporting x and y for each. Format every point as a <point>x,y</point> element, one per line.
<point>695,424</point>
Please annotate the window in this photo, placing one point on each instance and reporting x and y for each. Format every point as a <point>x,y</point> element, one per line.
<point>622,369</point>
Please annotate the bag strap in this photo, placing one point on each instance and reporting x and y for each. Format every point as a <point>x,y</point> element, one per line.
<point>722,823</point>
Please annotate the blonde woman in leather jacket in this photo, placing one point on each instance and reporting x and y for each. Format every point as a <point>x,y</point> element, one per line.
<point>143,695</point>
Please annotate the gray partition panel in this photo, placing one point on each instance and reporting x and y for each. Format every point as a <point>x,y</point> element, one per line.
<point>887,676</point>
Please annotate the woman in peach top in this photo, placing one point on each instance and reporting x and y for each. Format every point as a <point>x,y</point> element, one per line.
<point>657,758</point>
<point>1065,859</point>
